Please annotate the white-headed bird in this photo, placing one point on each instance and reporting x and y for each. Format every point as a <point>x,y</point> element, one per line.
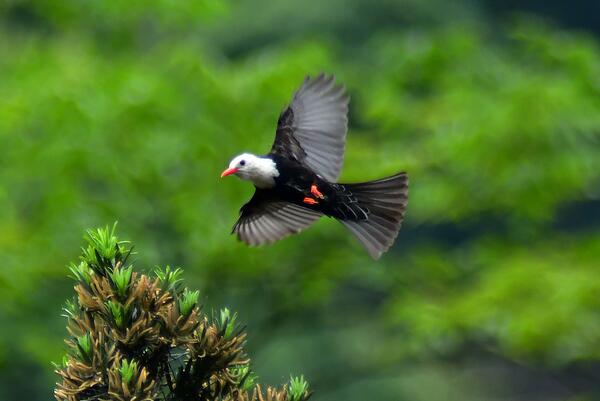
<point>296,181</point>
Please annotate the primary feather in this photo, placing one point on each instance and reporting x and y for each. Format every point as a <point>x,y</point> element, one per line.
<point>312,129</point>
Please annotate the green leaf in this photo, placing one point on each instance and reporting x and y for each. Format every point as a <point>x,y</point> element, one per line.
<point>104,249</point>
<point>128,370</point>
<point>117,311</point>
<point>71,309</point>
<point>170,280</point>
<point>188,301</point>
<point>121,279</point>
<point>298,389</point>
<point>84,347</point>
<point>227,322</point>
<point>81,272</point>
<point>244,377</point>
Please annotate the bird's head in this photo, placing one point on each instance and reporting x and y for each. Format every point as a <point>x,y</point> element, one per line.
<point>260,170</point>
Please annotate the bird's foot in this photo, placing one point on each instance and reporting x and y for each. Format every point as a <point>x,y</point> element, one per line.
<point>315,192</point>
<point>309,201</point>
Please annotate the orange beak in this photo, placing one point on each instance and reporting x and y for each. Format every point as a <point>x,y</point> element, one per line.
<point>229,171</point>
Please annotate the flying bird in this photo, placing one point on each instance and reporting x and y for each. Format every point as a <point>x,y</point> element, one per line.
<point>296,182</point>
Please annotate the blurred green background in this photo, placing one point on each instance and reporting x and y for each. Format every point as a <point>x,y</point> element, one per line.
<point>129,111</point>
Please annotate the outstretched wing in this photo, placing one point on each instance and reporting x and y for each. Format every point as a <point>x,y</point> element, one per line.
<point>264,219</point>
<point>312,129</point>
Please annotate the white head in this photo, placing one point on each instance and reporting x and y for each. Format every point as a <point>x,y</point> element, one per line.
<point>260,170</point>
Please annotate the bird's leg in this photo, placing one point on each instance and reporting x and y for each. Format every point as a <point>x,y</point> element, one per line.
<point>309,201</point>
<point>315,192</point>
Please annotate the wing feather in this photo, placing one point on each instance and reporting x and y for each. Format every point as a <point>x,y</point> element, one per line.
<point>312,129</point>
<point>264,219</point>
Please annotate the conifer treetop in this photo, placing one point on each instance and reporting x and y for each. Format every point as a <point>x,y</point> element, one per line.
<point>133,336</point>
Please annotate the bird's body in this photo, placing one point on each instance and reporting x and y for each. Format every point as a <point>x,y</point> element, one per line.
<point>296,182</point>
<point>293,185</point>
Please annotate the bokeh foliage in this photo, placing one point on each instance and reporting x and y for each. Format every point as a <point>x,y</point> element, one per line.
<point>129,112</point>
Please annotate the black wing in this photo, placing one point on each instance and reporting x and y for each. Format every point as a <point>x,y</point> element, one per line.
<point>312,129</point>
<point>265,219</point>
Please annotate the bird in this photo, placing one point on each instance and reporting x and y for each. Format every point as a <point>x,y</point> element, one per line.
<point>296,182</point>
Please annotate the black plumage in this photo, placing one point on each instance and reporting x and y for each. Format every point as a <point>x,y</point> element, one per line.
<point>308,151</point>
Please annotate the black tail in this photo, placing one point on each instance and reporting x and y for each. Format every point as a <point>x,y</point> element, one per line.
<point>384,203</point>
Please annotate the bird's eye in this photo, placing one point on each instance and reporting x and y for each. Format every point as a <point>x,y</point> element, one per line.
<point>242,162</point>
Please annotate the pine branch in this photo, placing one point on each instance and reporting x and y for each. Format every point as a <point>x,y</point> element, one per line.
<point>144,337</point>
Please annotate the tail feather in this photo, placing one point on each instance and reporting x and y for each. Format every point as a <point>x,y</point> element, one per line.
<point>385,203</point>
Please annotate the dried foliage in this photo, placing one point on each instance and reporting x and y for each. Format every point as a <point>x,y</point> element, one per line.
<point>138,337</point>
